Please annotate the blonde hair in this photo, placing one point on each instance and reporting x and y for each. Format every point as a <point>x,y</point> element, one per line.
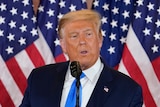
<point>85,14</point>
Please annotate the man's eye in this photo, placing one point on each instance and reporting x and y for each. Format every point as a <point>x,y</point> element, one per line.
<point>73,36</point>
<point>88,34</point>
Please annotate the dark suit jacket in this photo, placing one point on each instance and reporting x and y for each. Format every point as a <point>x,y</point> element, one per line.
<point>45,86</point>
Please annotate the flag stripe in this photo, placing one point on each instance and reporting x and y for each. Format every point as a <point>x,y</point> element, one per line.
<point>156,66</point>
<point>137,76</point>
<point>122,68</point>
<point>35,56</point>
<point>44,49</point>
<point>10,84</point>
<point>5,97</point>
<point>144,64</point>
<point>17,74</point>
<point>26,64</point>
<point>60,58</point>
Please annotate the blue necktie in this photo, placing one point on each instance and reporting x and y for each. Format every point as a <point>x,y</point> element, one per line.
<point>71,99</point>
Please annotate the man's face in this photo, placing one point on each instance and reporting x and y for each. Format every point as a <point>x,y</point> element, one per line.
<point>81,42</point>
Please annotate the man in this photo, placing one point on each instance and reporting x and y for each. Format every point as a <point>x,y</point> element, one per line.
<point>81,40</point>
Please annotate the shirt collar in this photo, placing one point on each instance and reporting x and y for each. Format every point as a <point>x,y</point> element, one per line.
<point>92,71</point>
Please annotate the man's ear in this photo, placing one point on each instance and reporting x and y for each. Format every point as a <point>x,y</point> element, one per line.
<point>63,45</point>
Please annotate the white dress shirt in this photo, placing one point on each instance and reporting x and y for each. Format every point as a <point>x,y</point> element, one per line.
<point>88,83</point>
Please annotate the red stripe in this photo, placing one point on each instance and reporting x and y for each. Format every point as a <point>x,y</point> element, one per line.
<point>156,66</point>
<point>60,58</point>
<point>137,75</point>
<point>17,74</point>
<point>116,67</point>
<point>35,56</point>
<point>5,99</point>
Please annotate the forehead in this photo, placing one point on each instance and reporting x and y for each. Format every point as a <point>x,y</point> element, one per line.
<point>79,24</point>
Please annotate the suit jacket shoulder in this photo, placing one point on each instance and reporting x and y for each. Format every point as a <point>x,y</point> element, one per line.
<point>45,86</point>
<point>115,89</point>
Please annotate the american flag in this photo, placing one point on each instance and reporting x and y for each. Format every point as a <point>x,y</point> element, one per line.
<point>131,31</point>
<point>17,33</point>
<point>27,42</point>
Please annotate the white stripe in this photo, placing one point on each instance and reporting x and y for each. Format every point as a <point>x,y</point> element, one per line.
<point>44,49</point>
<point>143,62</point>
<point>122,68</point>
<point>24,63</point>
<point>10,84</point>
<point>66,56</point>
<point>143,105</point>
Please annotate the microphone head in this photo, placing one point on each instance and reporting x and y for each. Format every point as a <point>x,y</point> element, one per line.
<point>75,69</point>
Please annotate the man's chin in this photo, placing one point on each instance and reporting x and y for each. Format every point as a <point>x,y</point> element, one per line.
<point>84,65</point>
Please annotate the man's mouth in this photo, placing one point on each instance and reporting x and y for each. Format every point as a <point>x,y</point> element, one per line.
<point>84,52</point>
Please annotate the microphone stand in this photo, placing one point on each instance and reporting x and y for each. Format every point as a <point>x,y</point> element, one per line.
<point>77,91</point>
<point>76,72</point>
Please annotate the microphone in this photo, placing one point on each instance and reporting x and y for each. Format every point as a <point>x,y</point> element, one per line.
<point>75,69</point>
<point>76,72</point>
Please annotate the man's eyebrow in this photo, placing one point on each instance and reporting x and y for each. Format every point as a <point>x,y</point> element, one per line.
<point>88,29</point>
<point>85,30</point>
<point>73,32</point>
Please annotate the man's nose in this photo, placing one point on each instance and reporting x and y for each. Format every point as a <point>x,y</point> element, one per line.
<point>82,39</point>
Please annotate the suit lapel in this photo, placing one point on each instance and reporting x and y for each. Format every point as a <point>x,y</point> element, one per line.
<point>57,84</point>
<point>102,89</point>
